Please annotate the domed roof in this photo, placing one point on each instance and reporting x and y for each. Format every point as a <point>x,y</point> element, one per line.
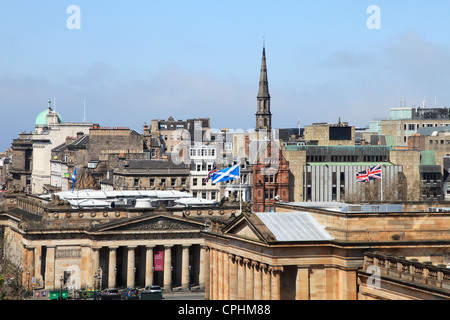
<point>41,119</point>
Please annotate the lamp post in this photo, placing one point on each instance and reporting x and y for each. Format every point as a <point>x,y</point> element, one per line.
<point>97,277</point>
<point>28,280</point>
<point>171,276</point>
<point>62,282</point>
<point>189,277</point>
<point>115,277</point>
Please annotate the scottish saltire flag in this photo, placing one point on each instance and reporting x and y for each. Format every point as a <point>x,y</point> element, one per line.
<point>369,174</point>
<point>74,176</point>
<point>210,173</point>
<point>226,174</point>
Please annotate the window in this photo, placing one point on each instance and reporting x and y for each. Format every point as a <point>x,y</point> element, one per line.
<point>213,195</point>
<point>152,182</point>
<point>173,182</point>
<point>228,146</point>
<point>136,182</point>
<point>163,181</point>
<point>183,181</point>
<point>194,182</point>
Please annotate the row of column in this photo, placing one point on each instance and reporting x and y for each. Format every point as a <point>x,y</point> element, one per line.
<point>233,277</point>
<point>89,262</point>
<point>149,266</point>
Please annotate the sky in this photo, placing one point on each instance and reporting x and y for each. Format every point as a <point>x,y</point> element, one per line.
<point>124,63</point>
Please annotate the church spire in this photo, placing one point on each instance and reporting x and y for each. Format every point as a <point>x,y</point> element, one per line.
<point>263,115</point>
<point>263,83</point>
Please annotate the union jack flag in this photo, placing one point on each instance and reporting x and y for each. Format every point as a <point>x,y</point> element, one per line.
<point>369,174</point>
<point>210,173</point>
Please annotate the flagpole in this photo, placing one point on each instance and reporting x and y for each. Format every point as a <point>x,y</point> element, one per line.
<point>240,192</point>
<point>240,188</point>
<point>381,182</point>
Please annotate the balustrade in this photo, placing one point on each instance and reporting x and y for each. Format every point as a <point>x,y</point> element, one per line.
<point>423,272</point>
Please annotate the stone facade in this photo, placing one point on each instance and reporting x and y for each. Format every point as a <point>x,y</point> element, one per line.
<point>248,262</point>
<point>324,134</point>
<point>52,242</point>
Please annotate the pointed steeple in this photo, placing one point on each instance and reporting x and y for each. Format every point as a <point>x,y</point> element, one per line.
<point>263,82</point>
<point>263,115</point>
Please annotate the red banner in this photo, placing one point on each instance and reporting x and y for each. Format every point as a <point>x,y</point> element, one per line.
<point>158,259</point>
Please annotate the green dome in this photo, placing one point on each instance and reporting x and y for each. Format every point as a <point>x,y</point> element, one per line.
<point>41,119</point>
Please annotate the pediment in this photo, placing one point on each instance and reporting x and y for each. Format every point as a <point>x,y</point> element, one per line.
<point>158,223</point>
<point>244,228</point>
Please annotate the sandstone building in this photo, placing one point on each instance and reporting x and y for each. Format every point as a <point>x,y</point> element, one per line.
<point>309,253</point>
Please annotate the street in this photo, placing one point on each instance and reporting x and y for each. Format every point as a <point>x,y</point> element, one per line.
<point>184,296</point>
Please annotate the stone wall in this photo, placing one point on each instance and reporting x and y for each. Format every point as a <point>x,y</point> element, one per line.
<point>396,226</point>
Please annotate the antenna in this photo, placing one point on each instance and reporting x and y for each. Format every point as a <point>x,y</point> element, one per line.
<point>264,41</point>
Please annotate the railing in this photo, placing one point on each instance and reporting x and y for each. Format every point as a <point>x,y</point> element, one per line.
<point>411,270</point>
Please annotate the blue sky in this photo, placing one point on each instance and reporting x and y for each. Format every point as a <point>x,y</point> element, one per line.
<point>134,61</point>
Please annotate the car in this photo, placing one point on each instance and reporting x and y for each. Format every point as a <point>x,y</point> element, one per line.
<point>110,294</point>
<point>152,289</point>
<point>130,293</point>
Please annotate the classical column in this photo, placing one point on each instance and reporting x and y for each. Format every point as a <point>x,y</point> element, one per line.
<point>37,265</point>
<point>85,262</point>
<point>50,269</point>
<point>207,267</point>
<point>149,266</point>
<point>168,268</point>
<point>112,269</point>
<point>226,277</point>
<point>302,283</point>
<point>266,288</point>
<point>131,267</point>
<point>257,285</point>
<point>241,278</point>
<point>220,272</point>
<point>249,286</point>
<point>202,267</point>
<point>95,264</point>
<point>185,267</point>
<point>214,275</point>
<point>233,277</point>
<point>276,283</point>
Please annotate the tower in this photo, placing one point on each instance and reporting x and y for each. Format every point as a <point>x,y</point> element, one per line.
<point>263,115</point>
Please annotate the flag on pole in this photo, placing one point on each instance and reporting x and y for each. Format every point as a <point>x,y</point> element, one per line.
<point>74,176</point>
<point>369,174</point>
<point>226,174</point>
<point>210,173</point>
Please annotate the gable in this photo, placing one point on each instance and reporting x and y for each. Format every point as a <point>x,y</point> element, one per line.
<point>245,228</point>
